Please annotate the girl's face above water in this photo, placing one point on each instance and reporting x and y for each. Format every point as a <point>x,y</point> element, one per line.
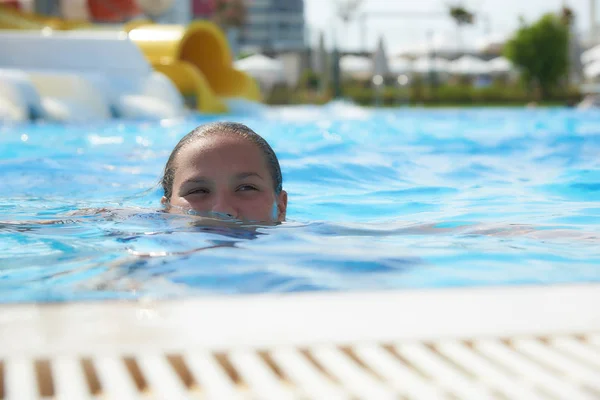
<point>226,175</point>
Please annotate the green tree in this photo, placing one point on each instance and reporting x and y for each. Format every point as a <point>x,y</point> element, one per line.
<point>309,80</point>
<point>541,51</point>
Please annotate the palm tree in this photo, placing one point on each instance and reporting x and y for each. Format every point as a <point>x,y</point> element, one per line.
<point>567,16</point>
<point>230,13</point>
<point>461,17</point>
<point>346,10</point>
<point>231,16</point>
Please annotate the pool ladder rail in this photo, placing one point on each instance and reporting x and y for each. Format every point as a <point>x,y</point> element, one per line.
<point>483,343</point>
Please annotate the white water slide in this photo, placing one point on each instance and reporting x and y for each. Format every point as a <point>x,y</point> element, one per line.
<point>80,76</point>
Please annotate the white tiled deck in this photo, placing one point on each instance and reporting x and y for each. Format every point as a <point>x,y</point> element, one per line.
<point>485,343</point>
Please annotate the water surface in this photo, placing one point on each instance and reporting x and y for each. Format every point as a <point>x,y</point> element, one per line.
<point>379,199</point>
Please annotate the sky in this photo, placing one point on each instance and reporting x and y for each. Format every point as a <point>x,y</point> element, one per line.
<point>399,33</point>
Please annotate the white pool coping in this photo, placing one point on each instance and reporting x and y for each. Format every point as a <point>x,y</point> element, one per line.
<point>307,319</point>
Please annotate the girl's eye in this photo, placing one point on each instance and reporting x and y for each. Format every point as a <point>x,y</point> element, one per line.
<point>245,188</point>
<point>198,191</point>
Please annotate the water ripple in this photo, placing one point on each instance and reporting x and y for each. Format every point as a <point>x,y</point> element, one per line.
<point>379,199</point>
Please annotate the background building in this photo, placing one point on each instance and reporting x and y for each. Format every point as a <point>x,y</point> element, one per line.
<point>274,26</point>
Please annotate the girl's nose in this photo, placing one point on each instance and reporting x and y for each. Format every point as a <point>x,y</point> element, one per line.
<point>223,205</point>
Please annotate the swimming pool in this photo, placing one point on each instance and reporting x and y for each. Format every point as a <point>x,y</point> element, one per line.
<point>379,199</point>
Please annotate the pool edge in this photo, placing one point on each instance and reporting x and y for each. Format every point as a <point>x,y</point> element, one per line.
<point>255,321</point>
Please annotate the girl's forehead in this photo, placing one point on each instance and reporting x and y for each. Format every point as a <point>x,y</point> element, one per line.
<point>218,141</point>
<point>233,148</point>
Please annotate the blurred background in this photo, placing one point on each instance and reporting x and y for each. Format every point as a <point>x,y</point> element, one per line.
<point>377,52</point>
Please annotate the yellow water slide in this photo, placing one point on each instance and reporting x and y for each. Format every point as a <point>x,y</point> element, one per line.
<point>197,59</point>
<point>11,18</point>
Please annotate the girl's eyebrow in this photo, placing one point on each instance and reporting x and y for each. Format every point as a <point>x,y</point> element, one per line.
<point>198,179</point>
<point>204,180</point>
<point>244,175</point>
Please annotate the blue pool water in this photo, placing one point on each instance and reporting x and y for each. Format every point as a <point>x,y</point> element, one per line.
<point>379,199</point>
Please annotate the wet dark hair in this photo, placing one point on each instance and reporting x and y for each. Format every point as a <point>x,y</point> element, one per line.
<point>222,128</point>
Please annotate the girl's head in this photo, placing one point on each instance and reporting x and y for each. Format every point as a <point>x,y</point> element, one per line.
<point>225,168</point>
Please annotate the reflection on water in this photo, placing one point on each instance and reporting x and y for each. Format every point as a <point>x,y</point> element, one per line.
<point>395,199</point>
